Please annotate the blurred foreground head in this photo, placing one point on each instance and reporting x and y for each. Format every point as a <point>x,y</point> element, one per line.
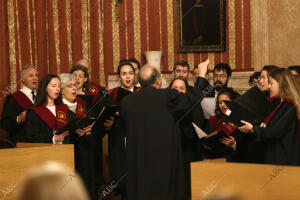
<point>52,181</point>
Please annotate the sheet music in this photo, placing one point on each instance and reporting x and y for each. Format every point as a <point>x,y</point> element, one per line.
<point>199,131</point>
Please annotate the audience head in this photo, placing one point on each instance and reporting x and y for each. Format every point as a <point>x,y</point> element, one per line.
<point>221,75</point>
<point>295,69</point>
<point>82,77</point>
<point>137,66</point>
<point>68,86</point>
<point>150,76</point>
<point>263,83</point>
<point>52,181</point>
<point>30,76</point>
<point>126,74</point>
<point>285,86</point>
<point>85,63</point>
<point>181,68</point>
<point>180,84</point>
<point>254,79</point>
<point>49,89</point>
<point>225,94</point>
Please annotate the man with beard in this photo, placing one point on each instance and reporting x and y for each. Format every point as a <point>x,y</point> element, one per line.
<point>16,105</point>
<point>221,75</point>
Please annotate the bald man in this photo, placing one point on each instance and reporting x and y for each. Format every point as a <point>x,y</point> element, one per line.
<point>153,137</point>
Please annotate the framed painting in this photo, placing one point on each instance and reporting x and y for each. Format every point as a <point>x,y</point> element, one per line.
<point>201,25</point>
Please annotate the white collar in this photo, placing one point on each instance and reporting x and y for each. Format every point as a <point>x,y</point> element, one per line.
<point>27,92</point>
<point>131,90</point>
<point>71,106</point>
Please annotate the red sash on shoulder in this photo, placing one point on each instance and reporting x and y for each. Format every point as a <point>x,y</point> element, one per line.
<point>22,100</point>
<point>47,116</point>
<point>81,108</point>
<point>217,123</point>
<point>114,93</point>
<point>95,90</point>
<point>136,89</point>
<point>267,120</point>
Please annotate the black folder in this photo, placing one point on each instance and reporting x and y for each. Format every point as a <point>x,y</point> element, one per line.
<point>213,138</point>
<point>88,98</point>
<point>75,124</point>
<point>106,113</point>
<point>252,107</point>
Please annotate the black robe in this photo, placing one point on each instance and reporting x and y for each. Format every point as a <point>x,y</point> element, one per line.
<point>37,130</point>
<point>88,160</point>
<point>191,144</point>
<point>99,99</point>
<point>116,142</point>
<point>281,136</point>
<point>153,149</point>
<point>11,110</point>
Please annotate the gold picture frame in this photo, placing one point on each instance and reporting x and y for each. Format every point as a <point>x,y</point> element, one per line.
<point>201,25</point>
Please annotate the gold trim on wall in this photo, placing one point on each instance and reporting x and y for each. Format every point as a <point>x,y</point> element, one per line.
<point>68,15</point>
<point>34,33</point>
<point>84,19</point>
<point>29,31</point>
<point>126,29</point>
<point>160,26</point>
<point>231,14</point>
<point>243,34</point>
<point>18,38</point>
<point>147,25</point>
<point>89,28</point>
<point>170,29</point>
<point>116,39</point>
<point>101,49</point>
<point>137,29</point>
<point>191,60</point>
<point>56,34</point>
<point>12,45</point>
<point>211,57</point>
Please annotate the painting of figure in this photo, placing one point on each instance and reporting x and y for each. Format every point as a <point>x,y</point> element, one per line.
<point>201,25</point>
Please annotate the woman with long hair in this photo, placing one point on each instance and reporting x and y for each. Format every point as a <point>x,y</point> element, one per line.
<point>280,133</point>
<point>220,125</point>
<point>48,114</point>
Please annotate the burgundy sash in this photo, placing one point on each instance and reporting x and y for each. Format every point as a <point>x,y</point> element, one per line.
<point>22,100</point>
<point>136,89</point>
<point>115,91</point>
<point>81,108</point>
<point>47,116</point>
<point>95,90</point>
<point>217,123</point>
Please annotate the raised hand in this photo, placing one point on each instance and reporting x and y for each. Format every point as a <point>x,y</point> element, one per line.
<point>203,68</point>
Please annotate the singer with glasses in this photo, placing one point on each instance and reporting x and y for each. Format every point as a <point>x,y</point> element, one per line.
<point>84,147</point>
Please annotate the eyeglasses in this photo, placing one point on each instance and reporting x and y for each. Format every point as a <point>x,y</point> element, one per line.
<point>72,85</point>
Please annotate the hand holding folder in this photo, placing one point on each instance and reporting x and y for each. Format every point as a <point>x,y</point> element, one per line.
<point>75,124</point>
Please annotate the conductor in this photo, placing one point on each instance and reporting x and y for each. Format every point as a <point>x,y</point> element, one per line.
<point>153,147</point>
